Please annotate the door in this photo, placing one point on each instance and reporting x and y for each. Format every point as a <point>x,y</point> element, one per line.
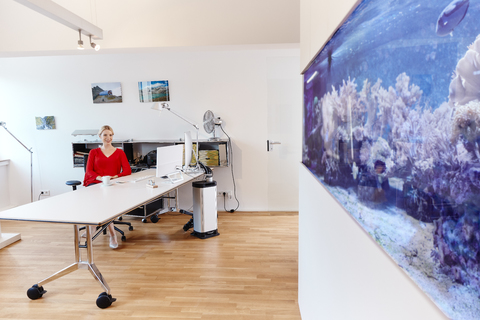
<point>284,126</point>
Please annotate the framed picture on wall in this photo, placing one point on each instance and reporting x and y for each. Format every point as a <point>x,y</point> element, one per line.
<point>153,91</point>
<point>392,130</point>
<point>109,92</point>
<point>45,123</point>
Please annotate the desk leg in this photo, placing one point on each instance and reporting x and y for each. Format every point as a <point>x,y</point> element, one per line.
<point>105,299</point>
<point>8,238</point>
<point>177,207</point>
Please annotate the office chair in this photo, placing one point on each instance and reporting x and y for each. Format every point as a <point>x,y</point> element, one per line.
<point>75,183</point>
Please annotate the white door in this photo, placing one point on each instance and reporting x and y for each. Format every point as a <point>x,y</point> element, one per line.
<point>284,126</point>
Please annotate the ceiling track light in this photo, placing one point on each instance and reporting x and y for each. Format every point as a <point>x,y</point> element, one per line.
<point>80,42</point>
<point>93,44</point>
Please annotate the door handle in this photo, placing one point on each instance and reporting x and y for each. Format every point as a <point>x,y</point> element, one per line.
<point>270,144</point>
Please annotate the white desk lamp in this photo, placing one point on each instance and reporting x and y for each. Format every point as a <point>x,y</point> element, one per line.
<point>3,124</point>
<point>164,106</point>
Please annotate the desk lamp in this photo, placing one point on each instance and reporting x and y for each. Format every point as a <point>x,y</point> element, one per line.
<point>164,106</point>
<point>3,124</point>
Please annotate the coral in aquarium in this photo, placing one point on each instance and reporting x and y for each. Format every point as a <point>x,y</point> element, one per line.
<point>379,151</point>
<point>313,146</point>
<point>465,85</point>
<point>374,117</point>
<point>388,109</point>
<point>445,173</point>
<point>339,108</point>
<point>457,243</point>
<point>412,140</point>
<point>466,122</point>
<point>424,142</point>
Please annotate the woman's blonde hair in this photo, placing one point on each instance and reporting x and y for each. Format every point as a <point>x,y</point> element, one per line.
<point>103,128</point>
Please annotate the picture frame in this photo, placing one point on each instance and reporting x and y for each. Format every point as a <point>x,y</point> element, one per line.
<point>154,91</point>
<point>45,123</point>
<point>108,92</point>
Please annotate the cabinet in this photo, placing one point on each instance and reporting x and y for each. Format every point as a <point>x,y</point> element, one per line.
<point>139,152</point>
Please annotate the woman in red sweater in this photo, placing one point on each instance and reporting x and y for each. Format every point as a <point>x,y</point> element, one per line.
<point>106,161</point>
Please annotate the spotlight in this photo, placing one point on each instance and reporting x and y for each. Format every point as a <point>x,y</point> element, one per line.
<point>94,45</point>
<point>80,42</point>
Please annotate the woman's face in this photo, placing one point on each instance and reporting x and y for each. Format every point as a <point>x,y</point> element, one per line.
<point>106,136</point>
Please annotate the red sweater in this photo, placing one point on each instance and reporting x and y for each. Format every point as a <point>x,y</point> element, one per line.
<point>99,165</point>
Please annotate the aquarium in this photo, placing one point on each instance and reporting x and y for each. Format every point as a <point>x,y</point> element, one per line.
<point>391,128</point>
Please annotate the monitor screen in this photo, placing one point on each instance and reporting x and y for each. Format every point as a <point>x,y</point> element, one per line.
<point>169,158</point>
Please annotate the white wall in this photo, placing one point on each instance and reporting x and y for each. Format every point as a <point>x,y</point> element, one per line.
<point>230,81</point>
<point>343,273</point>
<point>318,20</point>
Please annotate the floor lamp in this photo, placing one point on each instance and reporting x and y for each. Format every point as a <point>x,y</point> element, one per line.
<point>3,124</point>
<point>164,106</point>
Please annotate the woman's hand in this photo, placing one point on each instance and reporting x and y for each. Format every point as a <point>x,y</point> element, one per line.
<point>115,176</point>
<point>99,178</point>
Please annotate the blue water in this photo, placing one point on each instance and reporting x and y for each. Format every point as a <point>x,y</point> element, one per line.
<point>382,39</point>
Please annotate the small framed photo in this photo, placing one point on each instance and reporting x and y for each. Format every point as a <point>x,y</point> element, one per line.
<point>109,92</point>
<point>45,123</point>
<point>152,91</point>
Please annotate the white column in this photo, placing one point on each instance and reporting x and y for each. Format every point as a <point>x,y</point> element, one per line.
<point>5,238</point>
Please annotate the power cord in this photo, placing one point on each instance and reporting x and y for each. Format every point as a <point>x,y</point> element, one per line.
<point>41,194</point>
<point>224,202</point>
<point>230,149</point>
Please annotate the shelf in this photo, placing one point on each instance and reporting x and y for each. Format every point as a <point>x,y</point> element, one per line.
<point>85,133</point>
<point>210,151</point>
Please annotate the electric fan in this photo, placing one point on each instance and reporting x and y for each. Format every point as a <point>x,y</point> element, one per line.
<point>209,123</point>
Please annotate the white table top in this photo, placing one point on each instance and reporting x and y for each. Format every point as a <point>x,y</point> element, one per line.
<point>97,204</point>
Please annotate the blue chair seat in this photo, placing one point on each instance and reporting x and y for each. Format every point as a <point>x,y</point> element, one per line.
<point>73,183</point>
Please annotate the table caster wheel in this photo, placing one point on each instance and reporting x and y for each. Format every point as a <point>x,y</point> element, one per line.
<point>144,220</point>
<point>35,292</point>
<point>120,218</point>
<point>130,228</point>
<point>105,300</point>
<point>124,238</point>
<point>188,225</point>
<point>154,218</point>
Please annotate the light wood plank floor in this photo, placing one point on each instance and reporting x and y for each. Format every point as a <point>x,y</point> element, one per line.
<point>161,272</point>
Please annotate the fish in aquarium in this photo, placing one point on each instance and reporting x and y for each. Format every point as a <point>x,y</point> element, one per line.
<point>451,16</point>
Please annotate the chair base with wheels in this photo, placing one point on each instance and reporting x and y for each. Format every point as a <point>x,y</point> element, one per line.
<point>74,184</point>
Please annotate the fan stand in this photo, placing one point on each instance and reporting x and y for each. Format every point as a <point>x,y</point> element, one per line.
<point>214,137</point>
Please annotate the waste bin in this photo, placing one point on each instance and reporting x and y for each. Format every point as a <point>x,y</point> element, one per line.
<point>205,209</point>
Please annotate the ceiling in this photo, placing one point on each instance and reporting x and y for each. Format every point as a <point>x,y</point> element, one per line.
<point>131,26</point>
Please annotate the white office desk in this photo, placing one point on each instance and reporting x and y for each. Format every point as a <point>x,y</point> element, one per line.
<point>95,205</point>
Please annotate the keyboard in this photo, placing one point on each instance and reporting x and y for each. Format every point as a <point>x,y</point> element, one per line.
<point>142,178</point>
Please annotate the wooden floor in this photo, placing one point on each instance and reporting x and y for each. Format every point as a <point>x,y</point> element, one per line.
<point>161,272</point>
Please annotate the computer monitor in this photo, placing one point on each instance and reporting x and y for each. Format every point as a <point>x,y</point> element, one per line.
<point>188,150</point>
<point>169,159</point>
